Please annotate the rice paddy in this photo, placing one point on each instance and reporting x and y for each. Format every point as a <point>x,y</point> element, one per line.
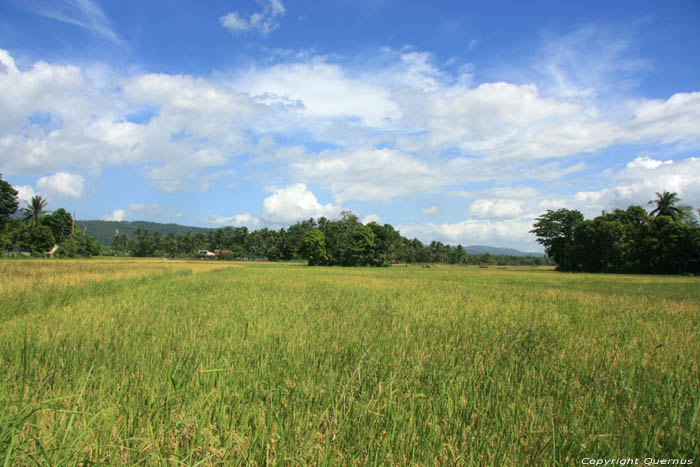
<point>151,362</point>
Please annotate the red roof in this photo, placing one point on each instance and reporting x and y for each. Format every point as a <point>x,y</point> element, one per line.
<point>218,252</point>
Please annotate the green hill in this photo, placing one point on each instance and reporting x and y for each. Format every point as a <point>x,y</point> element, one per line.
<point>105,231</point>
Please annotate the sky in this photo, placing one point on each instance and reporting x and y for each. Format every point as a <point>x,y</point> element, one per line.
<point>453,121</point>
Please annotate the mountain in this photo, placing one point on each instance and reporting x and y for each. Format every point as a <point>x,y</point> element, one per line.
<point>105,231</point>
<point>494,251</point>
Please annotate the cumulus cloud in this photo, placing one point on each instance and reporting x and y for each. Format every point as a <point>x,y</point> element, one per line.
<point>25,193</point>
<point>369,174</point>
<point>7,63</point>
<point>398,126</point>
<point>263,22</point>
<point>371,218</point>
<point>500,208</point>
<point>295,202</point>
<point>135,210</point>
<point>116,215</point>
<point>635,184</point>
<point>61,185</point>
<point>321,91</point>
<point>149,210</point>
<point>239,220</point>
<point>639,183</point>
<point>646,162</point>
<point>56,116</point>
<point>429,211</point>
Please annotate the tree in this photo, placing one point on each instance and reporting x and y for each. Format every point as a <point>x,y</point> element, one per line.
<point>387,242</point>
<point>78,245</point>
<point>555,230</point>
<point>61,224</point>
<point>687,216</point>
<point>120,244</point>
<point>35,210</point>
<point>8,201</point>
<point>598,245</point>
<point>313,248</point>
<point>666,205</point>
<point>40,238</point>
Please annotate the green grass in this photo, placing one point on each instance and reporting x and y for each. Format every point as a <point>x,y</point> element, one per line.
<point>181,363</point>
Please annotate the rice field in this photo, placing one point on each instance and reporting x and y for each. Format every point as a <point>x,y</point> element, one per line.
<point>152,362</point>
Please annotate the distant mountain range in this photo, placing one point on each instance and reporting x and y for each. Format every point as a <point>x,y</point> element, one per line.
<point>495,251</point>
<point>105,231</point>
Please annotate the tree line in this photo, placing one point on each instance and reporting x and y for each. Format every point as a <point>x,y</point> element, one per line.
<point>663,241</point>
<point>36,231</point>
<point>344,241</point>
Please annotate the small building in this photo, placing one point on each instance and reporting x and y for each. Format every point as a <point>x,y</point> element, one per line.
<point>206,254</point>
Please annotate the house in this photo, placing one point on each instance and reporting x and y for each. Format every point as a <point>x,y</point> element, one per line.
<point>206,254</point>
<point>223,252</point>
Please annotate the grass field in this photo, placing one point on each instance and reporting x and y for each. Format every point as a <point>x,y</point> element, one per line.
<point>155,362</point>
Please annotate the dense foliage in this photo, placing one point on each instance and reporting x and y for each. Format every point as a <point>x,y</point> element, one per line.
<point>345,241</point>
<point>106,231</point>
<point>36,232</point>
<point>626,241</point>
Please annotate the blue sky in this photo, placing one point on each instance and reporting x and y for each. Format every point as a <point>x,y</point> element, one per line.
<point>454,121</point>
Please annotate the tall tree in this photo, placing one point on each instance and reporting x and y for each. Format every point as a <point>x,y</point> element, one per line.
<point>8,201</point>
<point>666,205</point>
<point>688,215</point>
<point>555,230</point>
<point>61,224</point>
<point>313,248</point>
<point>35,210</point>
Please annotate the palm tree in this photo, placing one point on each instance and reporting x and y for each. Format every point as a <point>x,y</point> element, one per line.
<point>665,205</point>
<point>34,210</point>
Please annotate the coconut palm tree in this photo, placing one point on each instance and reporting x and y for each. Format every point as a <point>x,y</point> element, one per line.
<point>34,210</point>
<point>665,205</point>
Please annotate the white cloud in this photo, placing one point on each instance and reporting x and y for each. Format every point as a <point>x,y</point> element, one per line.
<point>7,63</point>
<point>429,211</point>
<point>646,162</point>
<point>499,208</point>
<point>239,220</point>
<point>149,210</point>
<point>263,22</point>
<point>639,183</point>
<point>116,215</point>
<point>136,210</point>
<point>61,185</point>
<point>81,13</point>
<point>25,193</point>
<point>590,61</point>
<point>371,218</point>
<point>368,174</point>
<point>635,184</point>
<point>665,121</point>
<point>398,126</point>
<point>295,202</point>
<point>321,91</point>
